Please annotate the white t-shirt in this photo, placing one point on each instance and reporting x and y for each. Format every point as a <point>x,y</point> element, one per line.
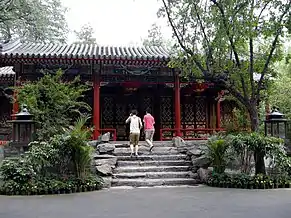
<point>135,124</point>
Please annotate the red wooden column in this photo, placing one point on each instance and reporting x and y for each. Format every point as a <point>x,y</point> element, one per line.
<point>218,114</point>
<point>96,106</point>
<point>15,106</point>
<point>177,105</point>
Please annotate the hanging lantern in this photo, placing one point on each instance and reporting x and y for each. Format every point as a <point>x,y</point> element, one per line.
<point>131,86</point>
<point>200,87</point>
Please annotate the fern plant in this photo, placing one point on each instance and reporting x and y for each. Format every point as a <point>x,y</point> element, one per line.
<point>76,142</point>
<point>217,152</point>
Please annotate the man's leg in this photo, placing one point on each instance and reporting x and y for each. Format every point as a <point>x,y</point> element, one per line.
<point>131,143</point>
<point>136,143</point>
<point>148,138</point>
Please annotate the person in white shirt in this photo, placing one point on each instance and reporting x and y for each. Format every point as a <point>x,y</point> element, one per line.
<point>135,127</point>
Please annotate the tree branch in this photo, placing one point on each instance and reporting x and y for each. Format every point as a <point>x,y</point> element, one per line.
<point>209,55</point>
<point>251,44</point>
<point>227,32</point>
<point>261,12</point>
<point>273,47</point>
<point>187,50</point>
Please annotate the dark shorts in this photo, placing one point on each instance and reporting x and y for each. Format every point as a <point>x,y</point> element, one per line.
<point>134,138</point>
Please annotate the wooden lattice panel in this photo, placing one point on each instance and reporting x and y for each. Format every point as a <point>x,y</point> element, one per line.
<point>147,104</point>
<point>166,110</point>
<point>108,109</point>
<point>226,113</point>
<point>194,115</point>
<point>200,112</point>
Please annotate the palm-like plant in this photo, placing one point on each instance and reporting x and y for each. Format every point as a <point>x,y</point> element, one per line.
<point>76,138</point>
<point>217,152</point>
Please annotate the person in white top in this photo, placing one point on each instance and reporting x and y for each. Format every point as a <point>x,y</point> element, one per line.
<point>135,127</point>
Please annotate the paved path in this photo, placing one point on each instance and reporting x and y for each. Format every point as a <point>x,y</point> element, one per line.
<point>197,202</point>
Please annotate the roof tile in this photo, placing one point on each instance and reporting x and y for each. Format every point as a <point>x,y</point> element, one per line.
<point>29,49</point>
<point>6,72</point>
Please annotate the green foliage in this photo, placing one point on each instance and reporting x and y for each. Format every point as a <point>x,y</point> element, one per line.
<point>85,35</point>
<point>80,152</point>
<point>51,186</point>
<point>33,20</point>
<point>155,37</point>
<point>249,182</point>
<point>217,152</point>
<point>247,145</point>
<point>230,43</point>
<point>62,163</point>
<point>18,170</point>
<point>240,122</point>
<point>54,103</point>
<point>281,90</point>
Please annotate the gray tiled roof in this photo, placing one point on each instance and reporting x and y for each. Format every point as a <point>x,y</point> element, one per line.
<point>6,72</point>
<point>17,49</point>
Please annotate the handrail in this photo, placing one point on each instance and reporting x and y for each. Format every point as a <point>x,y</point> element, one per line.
<point>207,130</point>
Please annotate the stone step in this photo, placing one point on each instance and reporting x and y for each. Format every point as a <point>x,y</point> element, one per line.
<point>144,150</point>
<point>152,175</point>
<point>154,163</point>
<point>153,157</point>
<point>153,182</point>
<point>152,169</point>
<point>147,153</point>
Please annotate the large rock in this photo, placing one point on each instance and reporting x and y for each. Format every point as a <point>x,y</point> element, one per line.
<point>105,137</point>
<point>203,174</point>
<point>195,151</point>
<point>93,143</point>
<point>107,182</point>
<point>193,175</point>
<point>180,144</point>
<point>200,162</point>
<point>105,148</point>
<point>104,170</point>
<point>110,161</point>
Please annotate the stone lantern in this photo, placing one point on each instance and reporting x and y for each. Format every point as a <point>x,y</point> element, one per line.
<point>23,128</point>
<point>276,124</point>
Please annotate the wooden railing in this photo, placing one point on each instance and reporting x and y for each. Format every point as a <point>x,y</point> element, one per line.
<point>190,134</point>
<point>112,131</point>
<point>3,142</point>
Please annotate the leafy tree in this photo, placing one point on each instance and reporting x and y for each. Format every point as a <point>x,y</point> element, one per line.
<point>85,35</point>
<point>54,103</point>
<point>281,90</point>
<point>155,37</point>
<point>33,20</point>
<point>227,42</point>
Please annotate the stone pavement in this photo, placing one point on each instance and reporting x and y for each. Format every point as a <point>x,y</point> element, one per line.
<point>179,202</point>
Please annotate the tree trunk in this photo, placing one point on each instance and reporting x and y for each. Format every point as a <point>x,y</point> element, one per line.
<point>258,155</point>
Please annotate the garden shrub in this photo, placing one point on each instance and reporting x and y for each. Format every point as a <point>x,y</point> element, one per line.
<point>246,181</point>
<point>61,165</point>
<point>246,145</point>
<point>218,153</point>
<point>55,103</point>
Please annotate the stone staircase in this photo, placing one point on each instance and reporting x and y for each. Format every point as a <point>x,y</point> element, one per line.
<point>165,166</point>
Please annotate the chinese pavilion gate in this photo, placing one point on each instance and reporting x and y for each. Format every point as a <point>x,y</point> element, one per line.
<point>123,79</point>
